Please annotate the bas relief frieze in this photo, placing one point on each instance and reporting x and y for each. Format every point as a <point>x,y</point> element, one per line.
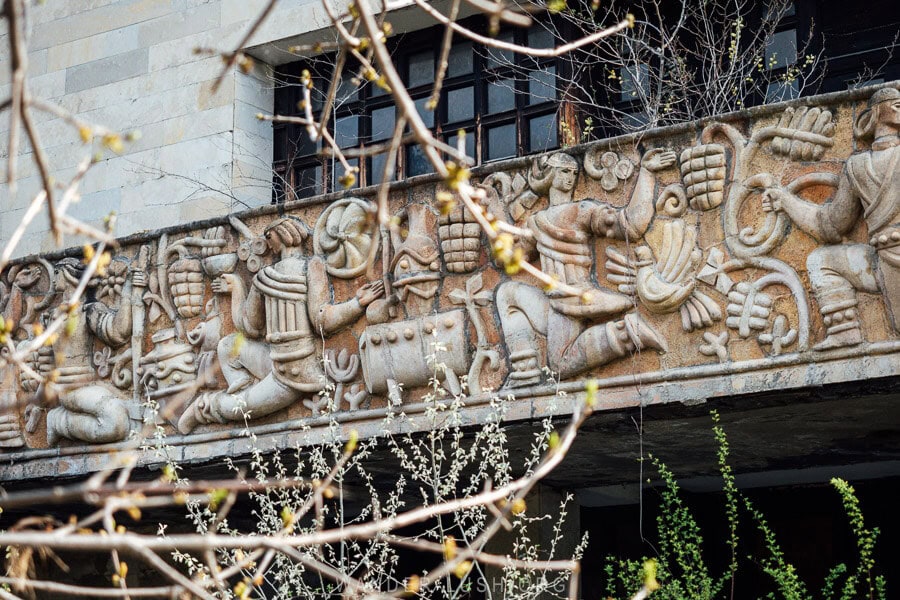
<point>739,241</point>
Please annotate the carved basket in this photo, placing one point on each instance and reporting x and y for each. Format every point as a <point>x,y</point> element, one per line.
<point>703,175</point>
<point>460,240</point>
<point>186,286</point>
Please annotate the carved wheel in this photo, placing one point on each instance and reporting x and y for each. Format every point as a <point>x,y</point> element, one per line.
<point>343,235</point>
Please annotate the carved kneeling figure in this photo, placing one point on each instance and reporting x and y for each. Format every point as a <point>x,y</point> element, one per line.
<point>869,188</point>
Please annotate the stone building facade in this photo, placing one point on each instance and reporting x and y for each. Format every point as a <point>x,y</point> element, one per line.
<point>751,252</point>
<point>749,261</point>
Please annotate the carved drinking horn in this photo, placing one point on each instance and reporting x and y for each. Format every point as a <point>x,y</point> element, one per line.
<point>540,175</point>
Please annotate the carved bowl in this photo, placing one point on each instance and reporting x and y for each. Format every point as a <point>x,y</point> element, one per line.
<point>219,264</point>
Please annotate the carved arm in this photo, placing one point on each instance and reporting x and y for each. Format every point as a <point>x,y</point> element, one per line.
<point>113,325</point>
<point>635,218</point>
<point>826,222</point>
<point>327,317</point>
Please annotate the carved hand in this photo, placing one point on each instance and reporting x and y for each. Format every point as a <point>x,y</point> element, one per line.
<point>222,284</point>
<point>27,277</point>
<point>773,198</point>
<point>370,292</point>
<point>658,160</point>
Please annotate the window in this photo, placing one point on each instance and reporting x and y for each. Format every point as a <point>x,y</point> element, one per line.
<point>506,104</point>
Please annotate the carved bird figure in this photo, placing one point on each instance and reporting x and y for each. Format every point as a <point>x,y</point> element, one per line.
<point>667,283</point>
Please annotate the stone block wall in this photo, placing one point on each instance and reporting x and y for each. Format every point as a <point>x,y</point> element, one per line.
<point>752,252</point>
<point>130,65</point>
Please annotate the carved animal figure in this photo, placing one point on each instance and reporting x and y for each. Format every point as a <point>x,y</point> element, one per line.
<point>288,304</point>
<point>666,284</point>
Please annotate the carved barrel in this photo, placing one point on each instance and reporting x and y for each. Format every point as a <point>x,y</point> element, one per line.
<point>400,351</point>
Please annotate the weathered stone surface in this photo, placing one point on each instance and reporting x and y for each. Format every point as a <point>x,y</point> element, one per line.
<point>107,70</point>
<point>130,65</point>
<point>752,253</point>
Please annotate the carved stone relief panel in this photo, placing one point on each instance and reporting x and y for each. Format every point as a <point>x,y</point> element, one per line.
<point>762,238</point>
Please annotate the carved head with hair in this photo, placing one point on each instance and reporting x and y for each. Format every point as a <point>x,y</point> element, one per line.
<point>68,273</point>
<point>286,232</point>
<point>557,178</point>
<point>881,116</point>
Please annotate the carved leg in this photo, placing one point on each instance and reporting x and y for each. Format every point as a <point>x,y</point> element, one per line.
<point>395,393</point>
<point>264,398</point>
<point>889,274</point>
<point>242,361</point>
<point>452,382</point>
<point>523,314</point>
<point>572,351</point>
<point>90,414</point>
<point>836,273</point>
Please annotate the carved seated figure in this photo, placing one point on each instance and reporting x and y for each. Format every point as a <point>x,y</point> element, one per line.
<point>592,329</point>
<point>288,304</point>
<point>88,411</point>
<point>869,187</point>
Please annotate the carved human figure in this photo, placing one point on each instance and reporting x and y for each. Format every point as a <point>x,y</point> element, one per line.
<point>869,187</point>
<point>89,411</point>
<point>592,329</point>
<point>289,306</point>
<point>15,309</point>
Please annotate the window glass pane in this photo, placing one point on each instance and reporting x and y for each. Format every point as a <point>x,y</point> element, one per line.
<point>460,60</point>
<point>542,133</point>
<point>284,99</point>
<point>427,115</point>
<point>421,68</point>
<point>781,49</point>
<point>416,162</point>
<point>279,141</point>
<point>777,9</point>
<point>501,95</point>
<point>307,182</point>
<point>382,123</point>
<point>542,85</point>
<point>376,169</point>
<point>499,58</point>
<point>347,90</point>
<point>338,171</point>
<point>299,143</point>
<point>460,104</point>
<point>782,90</point>
<point>635,80</point>
<point>452,140</point>
<point>278,189</point>
<point>346,131</point>
<point>635,120</point>
<point>501,141</point>
<point>316,95</point>
<point>539,36</point>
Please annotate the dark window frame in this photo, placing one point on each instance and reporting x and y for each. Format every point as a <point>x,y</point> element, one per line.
<point>290,163</point>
